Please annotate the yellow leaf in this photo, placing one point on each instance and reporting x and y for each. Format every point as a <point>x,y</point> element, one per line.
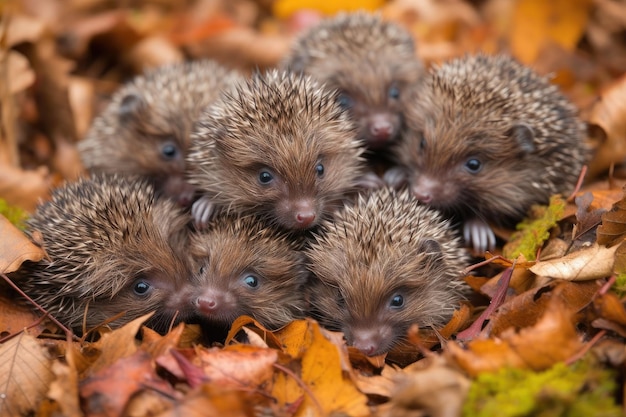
<point>284,8</point>
<point>538,23</point>
<point>322,371</point>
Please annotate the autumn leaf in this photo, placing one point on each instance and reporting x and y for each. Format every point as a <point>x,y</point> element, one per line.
<point>589,263</point>
<point>323,370</point>
<point>537,23</point>
<point>551,340</point>
<point>16,247</point>
<point>25,375</point>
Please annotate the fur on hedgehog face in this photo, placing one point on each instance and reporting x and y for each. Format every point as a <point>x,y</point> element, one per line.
<point>374,304</point>
<point>112,249</point>
<point>384,264</point>
<point>246,269</point>
<point>281,147</point>
<point>371,62</point>
<point>462,160</point>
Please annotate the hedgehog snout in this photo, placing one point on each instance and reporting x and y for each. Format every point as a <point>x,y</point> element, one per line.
<point>304,212</point>
<point>370,341</point>
<point>381,128</point>
<point>213,301</point>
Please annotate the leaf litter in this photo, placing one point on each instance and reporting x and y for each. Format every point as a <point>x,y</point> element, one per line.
<point>554,338</point>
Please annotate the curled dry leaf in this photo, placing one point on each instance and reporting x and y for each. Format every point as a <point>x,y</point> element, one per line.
<point>431,385</point>
<point>107,392</point>
<point>552,339</point>
<point>117,344</point>
<point>16,247</point>
<point>609,114</point>
<point>613,227</point>
<point>25,375</point>
<point>586,264</point>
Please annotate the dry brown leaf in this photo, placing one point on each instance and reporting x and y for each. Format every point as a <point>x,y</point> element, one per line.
<point>16,247</point>
<point>590,263</point>
<point>609,113</point>
<point>209,400</point>
<point>431,385</point>
<point>117,344</point>
<point>23,28</point>
<point>537,24</point>
<point>322,370</point>
<point>106,393</point>
<point>153,51</point>
<point>25,375</point>
<point>552,339</point>
<point>16,315</point>
<point>237,367</point>
<point>613,227</point>
<point>527,308</point>
<point>64,388</point>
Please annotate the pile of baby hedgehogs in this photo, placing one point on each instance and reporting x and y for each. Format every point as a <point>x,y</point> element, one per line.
<point>343,185</point>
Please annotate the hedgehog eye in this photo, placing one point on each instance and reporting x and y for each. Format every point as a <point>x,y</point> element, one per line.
<point>345,101</point>
<point>397,301</point>
<point>422,140</point>
<point>141,287</point>
<point>319,168</point>
<point>473,165</point>
<point>169,150</point>
<point>265,177</point>
<point>251,281</point>
<point>394,92</point>
<point>202,270</point>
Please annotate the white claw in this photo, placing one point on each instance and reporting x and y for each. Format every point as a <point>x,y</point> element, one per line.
<point>479,235</point>
<point>395,177</point>
<point>201,211</point>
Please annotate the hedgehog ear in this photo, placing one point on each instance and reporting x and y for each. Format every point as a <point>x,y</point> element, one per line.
<point>524,136</point>
<point>430,246</point>
<point>132,107</point>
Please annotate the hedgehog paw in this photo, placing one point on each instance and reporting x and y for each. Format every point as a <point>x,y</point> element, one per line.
<point>202,210</point>
<point>479,235</point>
<point>395,177</point>
<point>370,181</point>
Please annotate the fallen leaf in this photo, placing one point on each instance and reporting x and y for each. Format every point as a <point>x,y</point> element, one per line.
<point>24,188</point>
<point>16,247</point>
<point>322,367</point>
<point>586,264</point>
<point>537,23</point>
<point>285,8</point>
<point>432,386</point>
<point>25,375</point>
<point>613,227</point>
<point>609,114</point>
<point>551,340</point>
<point>105,393</point>
<point>117,344</point>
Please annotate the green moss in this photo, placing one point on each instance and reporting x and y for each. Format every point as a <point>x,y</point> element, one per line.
<point>583,389</point>
<point>15,215</point>
<point>619,287</point>
<point>533,232</point>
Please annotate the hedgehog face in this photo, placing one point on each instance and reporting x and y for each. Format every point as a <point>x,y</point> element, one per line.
<point>246,269</point>
<point>381,265</point>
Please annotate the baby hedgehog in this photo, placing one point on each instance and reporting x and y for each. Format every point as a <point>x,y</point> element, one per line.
<point>487,138</point>
<point>246,268</point>
<point>370,61</point>
<point>145,128</point>
<point>112,248</point>
<point>384,264</point>
<point>279,146</point>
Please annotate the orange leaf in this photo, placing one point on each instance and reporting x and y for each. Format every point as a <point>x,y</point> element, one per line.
<point>16,247</point>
